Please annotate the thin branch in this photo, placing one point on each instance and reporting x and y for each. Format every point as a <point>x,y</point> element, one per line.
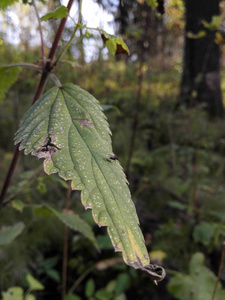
<point>65,245</point>
<point>39,91</point>
<point>80,279</point>
<point>23,65</point>
<point>220,271</point>
<point>136,119</point>
<point>9,174</point>
<point>72,36</point>
<point>41,33</point>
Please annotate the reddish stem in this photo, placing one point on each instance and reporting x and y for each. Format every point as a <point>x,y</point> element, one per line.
<point>40,88</point>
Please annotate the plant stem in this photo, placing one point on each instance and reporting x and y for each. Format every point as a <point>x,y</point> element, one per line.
<point>72,36</point>
<point>78,281</point>
<point>220,271</point>
<point>136,119</point>
<point>23,65</point>
<point>65,246</point>
<point>40,88</point>
<point>41,33</point>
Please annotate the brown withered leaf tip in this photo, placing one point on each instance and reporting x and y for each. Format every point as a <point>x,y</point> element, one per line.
<point>157,273</point>
<point>85,122</point>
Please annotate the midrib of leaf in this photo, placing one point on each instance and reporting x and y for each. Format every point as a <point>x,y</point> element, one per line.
<point>93,156</point>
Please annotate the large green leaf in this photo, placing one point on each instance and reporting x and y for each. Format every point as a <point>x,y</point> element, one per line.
<point>67,127</point>
<point>9,233</point>
<point>8,77</point>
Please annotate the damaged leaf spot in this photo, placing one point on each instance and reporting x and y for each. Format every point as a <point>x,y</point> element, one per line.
<point>85,122</point>
<point>112,157</point>
<point>48,149</point>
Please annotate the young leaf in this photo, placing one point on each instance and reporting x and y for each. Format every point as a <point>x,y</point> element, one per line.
<point>152,3</point>
<point>67,127</point>
<point>114,44</point>
<point>33,283</point>
<point>9,233</point>
<point>198,35</point>
<point>8,78</point>
<point>70,219</point>
<point>5,3</point>
<point>13,293</point>
<point>214,24</point>
<point>59,13</point>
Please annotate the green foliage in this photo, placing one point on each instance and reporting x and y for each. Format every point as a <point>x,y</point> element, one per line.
<point>113,43</point>
<point>9,233</point>
<point>8,77</point>
<point>59,13</point>
<point>152,3</point>
<point>214,24</point>
<point>5,3</point>
<point>17,293</point>
<point>67,127</point>
<point>200,34</point>
<point>89,288</point>
<point>203,233</point>
<point>198,285</point>
<point>70,219</point>
<point>33,283</point>
<point>13,293</point>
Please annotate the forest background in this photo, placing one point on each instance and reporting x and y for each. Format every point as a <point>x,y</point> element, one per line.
<point>164,104</point>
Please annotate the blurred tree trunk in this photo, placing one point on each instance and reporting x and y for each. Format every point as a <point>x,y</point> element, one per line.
<point>201,74</point>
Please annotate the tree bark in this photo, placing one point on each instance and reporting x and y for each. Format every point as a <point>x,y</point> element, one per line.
<point>201,69</point>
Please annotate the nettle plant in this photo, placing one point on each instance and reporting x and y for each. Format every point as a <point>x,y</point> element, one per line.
<point>67,127</point>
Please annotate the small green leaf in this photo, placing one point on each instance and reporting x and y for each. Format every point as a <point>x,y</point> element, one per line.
<point>178,205</point>
<point>122,283</point>
<point>152,3</point>
<point>72,297</point>
<point>70,219</point>
<point>13,293</point>
<point>8,77</point>
<point>5,3</point>
<point>53,274</point>
<point>114,44</point>
<point>198,35</point>
<point>103,294</point>
<point>214,24</point>
<point>33,283</point>
<point>9,233</point>
<point>18,205</point>
<point>89,288</point>
<point>59,13</point>
<point>203,233</point>
<point>106,107</point>
<point>87,34</point>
